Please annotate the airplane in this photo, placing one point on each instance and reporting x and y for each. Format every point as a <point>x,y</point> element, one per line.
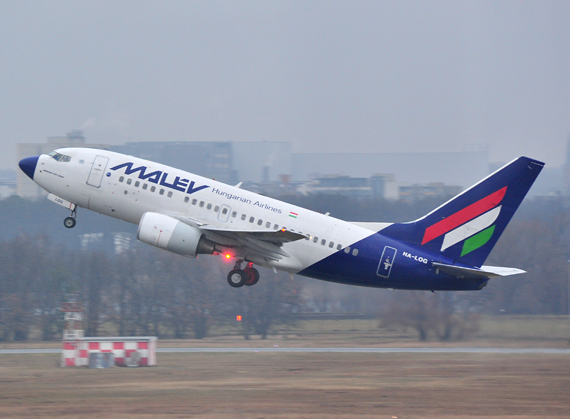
<point>187,214</point>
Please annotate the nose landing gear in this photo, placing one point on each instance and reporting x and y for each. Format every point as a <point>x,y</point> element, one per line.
<point>239,277</point>
<point>70,222</point>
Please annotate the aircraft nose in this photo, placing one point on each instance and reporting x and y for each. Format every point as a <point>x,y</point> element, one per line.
<point>28,165</point>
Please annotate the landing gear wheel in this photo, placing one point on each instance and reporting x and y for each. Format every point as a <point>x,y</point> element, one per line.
<point>252,276</point>
<point>69,222</point>
<point>237,278</point>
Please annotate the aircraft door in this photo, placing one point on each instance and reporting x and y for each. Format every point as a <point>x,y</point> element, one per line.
<point>386,262</point>
<point>224,213</point>
<point>97,170</point>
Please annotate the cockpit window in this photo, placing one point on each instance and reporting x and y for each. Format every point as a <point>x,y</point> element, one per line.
<point>59,157</point>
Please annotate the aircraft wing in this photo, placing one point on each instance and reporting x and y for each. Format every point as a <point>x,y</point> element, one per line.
<point>267,244</point>
<point>484,272</point>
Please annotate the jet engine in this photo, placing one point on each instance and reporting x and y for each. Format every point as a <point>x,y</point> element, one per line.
<point>167,233</point>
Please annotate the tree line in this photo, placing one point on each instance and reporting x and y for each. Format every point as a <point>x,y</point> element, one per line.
<point>145,291</point>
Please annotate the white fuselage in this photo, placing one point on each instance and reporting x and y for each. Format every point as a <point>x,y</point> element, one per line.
<point>126,187</point>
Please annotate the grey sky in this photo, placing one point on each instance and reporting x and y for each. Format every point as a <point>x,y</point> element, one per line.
<point>327,75</point>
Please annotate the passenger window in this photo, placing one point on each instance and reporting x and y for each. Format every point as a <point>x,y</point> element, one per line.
<point>209,206</point>
<point>194,201</point>
<point>170,194</point>
<point>251,219</point>
<point>338,246</point>
<point>216,209</point>
<point>347,249</point>
<point>267,224</point>
<point>161,192</point>
<point>234,214</point>
<point>129,181</point>
<point>201,204</point>
<point>259,222</point>
<point>145,185</point>
<point>355,252</point>
<point>137,184</point>
<point>315,239</point>
<point>225,211</point>
<point>243,217</point>
<point>331,244</point>
<point>276,226</point>
<point>153,188</point>
<point>186,198</point>
<point>323,242</point>
<point>121,178</point>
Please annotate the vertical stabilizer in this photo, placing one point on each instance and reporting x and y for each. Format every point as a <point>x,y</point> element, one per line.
<point>466,228</point>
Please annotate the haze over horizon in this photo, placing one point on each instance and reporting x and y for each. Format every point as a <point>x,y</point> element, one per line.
<point>334,76</point>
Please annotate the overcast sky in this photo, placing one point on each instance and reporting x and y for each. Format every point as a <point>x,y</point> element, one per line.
<point>329,76</point>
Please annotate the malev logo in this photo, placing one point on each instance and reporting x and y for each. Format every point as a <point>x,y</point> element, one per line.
<point>474,224</point>
<point>161,178</point>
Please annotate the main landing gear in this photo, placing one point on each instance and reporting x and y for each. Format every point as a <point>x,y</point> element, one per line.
<point>239,277</point>
<point>70,222</point>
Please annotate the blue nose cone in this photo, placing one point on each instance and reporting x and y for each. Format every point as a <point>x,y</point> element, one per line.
<point>28,165</point>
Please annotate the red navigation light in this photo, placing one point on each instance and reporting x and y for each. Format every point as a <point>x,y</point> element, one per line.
<point>228,256</point>
<point>238,317</point>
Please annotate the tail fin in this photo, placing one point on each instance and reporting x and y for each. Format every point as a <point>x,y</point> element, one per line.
<point>466,228</point>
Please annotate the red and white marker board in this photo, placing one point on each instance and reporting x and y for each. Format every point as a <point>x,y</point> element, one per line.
<point>127,351</point>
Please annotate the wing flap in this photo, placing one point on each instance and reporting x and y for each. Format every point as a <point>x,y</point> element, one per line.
<point>266,244</point>
<point>277,237</point>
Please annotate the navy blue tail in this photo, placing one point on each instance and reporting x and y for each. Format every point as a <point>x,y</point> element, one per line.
<point>466,228</point>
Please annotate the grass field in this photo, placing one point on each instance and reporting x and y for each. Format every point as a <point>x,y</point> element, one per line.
<point>518,331</point>
<point>308,385</point>
<point>285,385</point>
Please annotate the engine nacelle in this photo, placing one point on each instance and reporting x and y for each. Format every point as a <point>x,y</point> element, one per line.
<point>167,233</point>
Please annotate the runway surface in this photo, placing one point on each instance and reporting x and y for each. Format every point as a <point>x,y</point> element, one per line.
<point>469,350</point>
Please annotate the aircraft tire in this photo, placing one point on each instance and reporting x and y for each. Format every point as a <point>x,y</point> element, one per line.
<point>69,222</point>
<point>237,278</point>
<point>252,276</point>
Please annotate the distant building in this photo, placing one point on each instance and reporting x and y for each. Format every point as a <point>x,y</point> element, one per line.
<point>7,188</point>
<point>212,159</point>
<point>451,168</point>
<point>271,167</point>
<point>7,183</point>
<point>25,187</point>
<point>263,161</point>
<point>433,190</point>
<point>376,186</point>
<point>566,172</point>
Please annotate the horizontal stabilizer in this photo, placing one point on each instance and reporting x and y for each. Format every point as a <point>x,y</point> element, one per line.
<point>472,273</point>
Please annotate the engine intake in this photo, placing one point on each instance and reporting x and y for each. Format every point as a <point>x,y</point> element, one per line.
<point>167,233</point>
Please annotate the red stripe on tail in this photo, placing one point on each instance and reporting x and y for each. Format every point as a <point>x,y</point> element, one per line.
<point>466,214</point>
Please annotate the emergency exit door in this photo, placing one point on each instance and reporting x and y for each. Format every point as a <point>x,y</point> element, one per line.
<point>386,262</point>
<point>97,171</point>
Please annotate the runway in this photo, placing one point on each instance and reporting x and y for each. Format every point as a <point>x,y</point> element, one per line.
<point>424,350</point>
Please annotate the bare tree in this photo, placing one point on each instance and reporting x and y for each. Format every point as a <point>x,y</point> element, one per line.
<point>445,315</point>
